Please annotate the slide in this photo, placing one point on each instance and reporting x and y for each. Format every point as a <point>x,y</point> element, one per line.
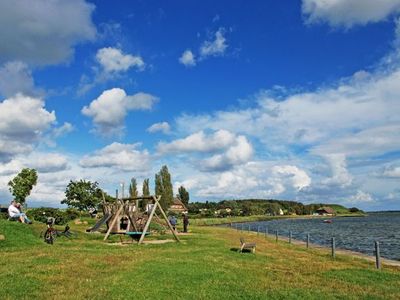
<point>103,220</point>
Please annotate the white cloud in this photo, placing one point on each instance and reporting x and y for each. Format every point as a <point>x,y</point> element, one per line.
<point>238,153</point>
<point>198,142</point>
<point>163,127</point>
<point>298,178</point>
<point>23,121</point>
<point>62,130</point>
<point>111,107</point>
<point>340,174</point>
<point>347,13</point>
<point>16,77</point>
<point>44,32</point>
<point>114,60</point>
<point>392,171</point>
<point>187,58</point>
<point>122,157</point>
<point>361,197</point>
<point>216,47</point>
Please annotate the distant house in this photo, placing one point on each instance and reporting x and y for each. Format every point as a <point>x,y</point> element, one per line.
<point>281,213</point>
<point>326,211</point>
<point>177,206</point>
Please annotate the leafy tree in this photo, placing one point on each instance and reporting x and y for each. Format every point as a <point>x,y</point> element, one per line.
<point>82,195</point>
<point>21,185</point>
<point>145,188</point>
<point>163,187</point>
<point>183,195</point>
<point>133,192</point>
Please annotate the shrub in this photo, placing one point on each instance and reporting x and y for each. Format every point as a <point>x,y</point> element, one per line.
<point>61,217</point>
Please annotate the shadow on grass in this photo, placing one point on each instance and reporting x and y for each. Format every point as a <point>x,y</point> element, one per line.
<point>243,251</point>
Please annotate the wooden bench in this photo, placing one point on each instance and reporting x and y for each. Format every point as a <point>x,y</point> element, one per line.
<point>248,246</point>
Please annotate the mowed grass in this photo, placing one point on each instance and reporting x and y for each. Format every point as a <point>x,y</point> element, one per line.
<point>204,266</point>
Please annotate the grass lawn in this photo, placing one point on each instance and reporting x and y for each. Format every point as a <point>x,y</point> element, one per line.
<point>203,266</point>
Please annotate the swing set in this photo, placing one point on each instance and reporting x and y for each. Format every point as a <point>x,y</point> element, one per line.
<point>132,217</point>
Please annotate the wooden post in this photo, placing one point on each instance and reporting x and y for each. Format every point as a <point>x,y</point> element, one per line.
<point>276,235</point>
<point>258,230</point>
<point>333,247</point>
<point>308,240</point>
<point>248,229</point>
<point>166,218</point>
<point>266,231</point>
<point>242,229</point>
<point>290,237</point>
<point>116,217</point>
<point>377,256</point>
<point>146,227</point>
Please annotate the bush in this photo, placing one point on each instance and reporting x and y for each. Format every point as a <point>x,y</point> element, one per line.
<point>61,217</point>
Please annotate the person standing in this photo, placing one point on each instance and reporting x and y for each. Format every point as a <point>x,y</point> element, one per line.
<point>173,222</point>
<point>185,222</point>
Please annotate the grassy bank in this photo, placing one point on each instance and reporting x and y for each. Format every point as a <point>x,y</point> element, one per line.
<point>204,266</point>
<point>239,219</point>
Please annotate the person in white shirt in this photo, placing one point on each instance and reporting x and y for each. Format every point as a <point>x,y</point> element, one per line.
<point>15,213</point>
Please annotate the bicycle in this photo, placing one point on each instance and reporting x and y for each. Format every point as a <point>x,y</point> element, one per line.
<point>50,234</point>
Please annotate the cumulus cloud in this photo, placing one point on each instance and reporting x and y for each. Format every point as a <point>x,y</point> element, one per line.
<point>122,157</point>
<point>163,127</point>
<point>214,47</point>
<point>23,121</point>
<point>361,197</point>
<point>46,32</point>
<point>198,142</point>
<point>16,77</point>
<point>187,58</point>
<point>238,153</point>
<point>114,60</point>
<point>347,13</point>
<point>254,179</point>
<point>109,110</point>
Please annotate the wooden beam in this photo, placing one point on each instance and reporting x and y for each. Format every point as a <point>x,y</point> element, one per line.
<point>166,218</point>
<point>113,222</point>
<point>146,227</point>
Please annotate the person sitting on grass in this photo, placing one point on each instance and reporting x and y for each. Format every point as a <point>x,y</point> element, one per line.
<point>15,213</point>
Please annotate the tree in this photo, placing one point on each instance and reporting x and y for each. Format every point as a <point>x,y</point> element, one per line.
<point>163,187</point>
<point>82,194</point>
<point>21,185</point>
<point>145,188</point>
<point>183,195</point>
<point>133,192</point>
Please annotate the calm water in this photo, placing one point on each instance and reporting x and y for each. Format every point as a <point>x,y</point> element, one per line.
<point>356,233</point>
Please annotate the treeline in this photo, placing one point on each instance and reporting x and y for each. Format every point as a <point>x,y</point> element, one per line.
<point>249,207</point>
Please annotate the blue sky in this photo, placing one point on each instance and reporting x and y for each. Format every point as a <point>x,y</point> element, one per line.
<point>293,100</point>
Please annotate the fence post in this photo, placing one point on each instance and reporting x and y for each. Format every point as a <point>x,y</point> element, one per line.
<point>333,247</point>
<point>266,232</point>
<point>242,227</point>
<point>377,255</point>
<point>308,240</point>
<point>290,237</point>
<point>258,230</point>
<point>248,229</point>
<point>276,235</point>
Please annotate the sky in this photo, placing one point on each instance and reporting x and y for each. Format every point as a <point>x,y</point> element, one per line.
<point>295,100</point>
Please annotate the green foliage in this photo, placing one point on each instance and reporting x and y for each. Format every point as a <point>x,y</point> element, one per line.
<point>61,217</point>
<point>21,185</point>
<point>133,192</point>
<point>145,187</point>
<point>82,195</point>
<point>183,195</point>
<point>163,187</point>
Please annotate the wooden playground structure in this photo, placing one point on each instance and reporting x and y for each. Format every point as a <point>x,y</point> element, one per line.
<point>132,217</point>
